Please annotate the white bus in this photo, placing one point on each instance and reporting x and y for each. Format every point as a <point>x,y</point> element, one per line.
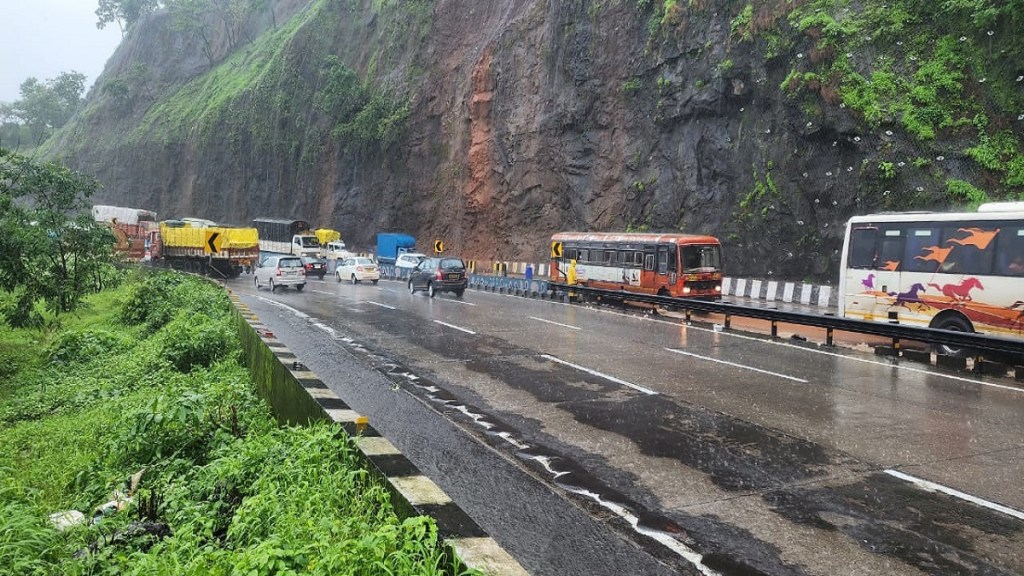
<point>954,271</point>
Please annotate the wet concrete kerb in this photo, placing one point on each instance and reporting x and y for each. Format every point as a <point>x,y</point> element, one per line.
<point>298,396</point>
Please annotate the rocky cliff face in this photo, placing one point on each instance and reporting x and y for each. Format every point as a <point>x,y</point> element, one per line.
<point>493,124</point>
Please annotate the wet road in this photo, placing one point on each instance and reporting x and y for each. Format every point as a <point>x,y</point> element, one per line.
<point>609,443</point>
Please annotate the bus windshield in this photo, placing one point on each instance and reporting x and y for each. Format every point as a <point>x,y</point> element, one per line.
<point>697,258</point>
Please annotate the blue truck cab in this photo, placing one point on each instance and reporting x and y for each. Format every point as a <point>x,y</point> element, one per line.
<point>391,244</point>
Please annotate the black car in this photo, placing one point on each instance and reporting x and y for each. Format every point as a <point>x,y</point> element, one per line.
<point>315,266</point>
<point>439,275</point>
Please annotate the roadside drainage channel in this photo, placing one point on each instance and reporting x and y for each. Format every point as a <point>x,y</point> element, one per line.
<point>298,396</point>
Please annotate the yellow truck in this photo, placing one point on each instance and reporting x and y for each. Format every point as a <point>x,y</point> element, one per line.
<point>214,250</point>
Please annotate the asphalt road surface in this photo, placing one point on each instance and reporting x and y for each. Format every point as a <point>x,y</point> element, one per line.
<point>592,441</point>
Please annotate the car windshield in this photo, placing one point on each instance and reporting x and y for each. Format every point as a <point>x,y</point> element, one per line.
<point>290,263</point>
<point>363,262</point>
<point>451,264</point>
<point>310,242</point>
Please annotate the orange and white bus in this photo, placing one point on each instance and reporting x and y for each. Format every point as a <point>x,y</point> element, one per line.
<point>679,265</point>
<point>954,271</point>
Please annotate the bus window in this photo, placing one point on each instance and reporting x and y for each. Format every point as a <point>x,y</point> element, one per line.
<point>638,259</point>
<point>970,253</point>
<point>584,256</point>
<point>1011,252</point>
<point>609,257</point>
<point>862,248</point>
<point>890,252</point>
<point>965,256</point>
<point>673,258</point>
<point>648,261</point>
<point>923,252</point>
<point>662,259</point>
<point>697,257</point>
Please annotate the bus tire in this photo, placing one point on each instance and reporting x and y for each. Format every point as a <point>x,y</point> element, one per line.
<point>953,323</point>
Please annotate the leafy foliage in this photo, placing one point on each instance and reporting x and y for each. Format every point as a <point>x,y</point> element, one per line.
<point>50,248</point>
<point>43,108</point>
<point>194,339</point>
<point>77,346</point>
<point>126,13</point>
<point>233,492</point>
<point>928,68</point>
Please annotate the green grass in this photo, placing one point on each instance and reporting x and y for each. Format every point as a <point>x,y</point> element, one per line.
<point>147,378</point>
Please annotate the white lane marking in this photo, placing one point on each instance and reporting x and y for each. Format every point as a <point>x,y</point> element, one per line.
<point>379,304</point>
<point>555,323</point>
<point>666,539</point>
<point>389,289</point>
<point>467,331</point>
<point>876,362</point>
<point>788,345</point>
<point>933,487</point>
<point>736,365</point>
<point>459,302</point>
<point>298,313</point>
<point>322,292</point>
<point>647,391</point>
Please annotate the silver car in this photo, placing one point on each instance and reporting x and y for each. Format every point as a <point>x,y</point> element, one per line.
<point>280,271</point>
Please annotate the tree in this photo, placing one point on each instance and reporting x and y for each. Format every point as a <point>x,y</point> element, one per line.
<point>206,20</point>
<point>126,13</point>
<point>51,251</point>
<point>46,106</point>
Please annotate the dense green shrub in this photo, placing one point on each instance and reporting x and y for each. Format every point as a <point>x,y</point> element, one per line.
<point>75,346</point>
<point>192,340</point>
<point>150,303</point>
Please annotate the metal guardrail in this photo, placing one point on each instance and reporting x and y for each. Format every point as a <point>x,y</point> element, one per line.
<point>896,332</point>
<point>508,284</point>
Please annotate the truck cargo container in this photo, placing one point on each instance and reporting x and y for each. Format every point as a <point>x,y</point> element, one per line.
<point>214,250</point>
<point>282,236</point>
<point>391,244</point>
<point>131,227</point>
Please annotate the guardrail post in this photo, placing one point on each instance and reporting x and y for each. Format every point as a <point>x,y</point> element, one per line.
<point>687,315</point>
<point>829,340</point>
<point>728,321</point>
<point>894,318</point>
<point>775,328</point>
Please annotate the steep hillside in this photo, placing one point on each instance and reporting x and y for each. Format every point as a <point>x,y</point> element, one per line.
<point>491,124</point>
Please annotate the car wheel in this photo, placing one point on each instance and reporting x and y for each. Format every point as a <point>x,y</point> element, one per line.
<point>374,282</point>
<point>430,290</point>
<point>458,293</point>
<point>338,274</point>
<point>272,287</point>
<point>299,287</point>
<point>412,289</point>
<point>954,324</point>
<point>354,280</point>
<point>257,281</point>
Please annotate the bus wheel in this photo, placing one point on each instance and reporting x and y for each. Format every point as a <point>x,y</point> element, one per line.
<point>953,323</point>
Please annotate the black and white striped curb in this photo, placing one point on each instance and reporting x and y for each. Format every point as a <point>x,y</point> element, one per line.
<point>820,295</point>
<point>472,545</point>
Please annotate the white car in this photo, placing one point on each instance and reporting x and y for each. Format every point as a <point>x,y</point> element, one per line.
<point>280,271</point>
<point>358,269</point>
<point>408,260</point>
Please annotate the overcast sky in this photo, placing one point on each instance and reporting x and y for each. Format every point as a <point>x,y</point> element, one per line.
<point>43,38</point>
